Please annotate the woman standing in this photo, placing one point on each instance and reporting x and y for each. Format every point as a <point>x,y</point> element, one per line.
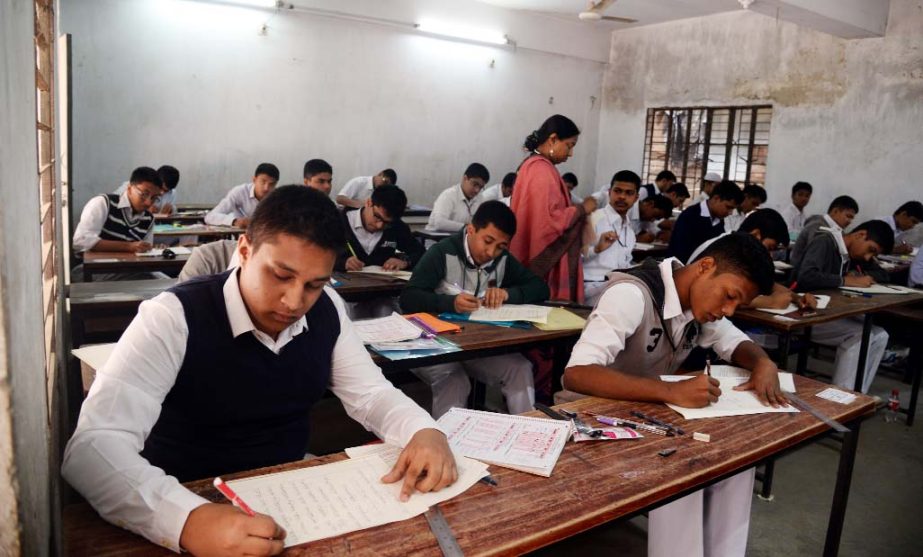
<point>549,235</point>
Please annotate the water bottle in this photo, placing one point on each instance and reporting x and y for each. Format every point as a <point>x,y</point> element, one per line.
<point>894,406</point>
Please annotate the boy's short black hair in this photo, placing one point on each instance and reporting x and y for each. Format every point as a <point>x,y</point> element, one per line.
<point>268,169</point>
<point>742,254</point>
<point>912,208</point>
<point>879,232</point>
<point>770,224</point>
<point>665,175</point>
<point>570,178</point>
<point>626,176</point>
<point>316,166</point>
<point>388,173</point>
<point>679,189</point>
<point>304,213</point>
<point>495,213</point>
<point>392,199</point>
<point>728,190</point>
<point>477,170</point>
<point>509,180</point>
<point>169,175</point>
<point>843,202</point>
<point>662,203</point>
<point>802,186</point>
<point>145,174</point>
<point>752,190</point>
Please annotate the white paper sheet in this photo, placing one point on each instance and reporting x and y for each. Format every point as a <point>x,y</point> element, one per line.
<point>379,270</point>
<point>94,355</point>
<point>878,289</point>
<point>324,501</point>
<point>512,312</point>
<point>782,265</point>
<point>392,328</point>
<point>822,301</point>
<point>836,395</point>
<point>522,443</point>
<point>158,252</point>
<point>731,402</point>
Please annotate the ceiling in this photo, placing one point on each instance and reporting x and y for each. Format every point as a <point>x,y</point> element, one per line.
<point>647,12</point>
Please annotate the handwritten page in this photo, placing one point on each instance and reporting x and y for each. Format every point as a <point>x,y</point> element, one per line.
<point>324,501</point>
<point>522,443</point>
<point>512,312</point>
<point>158,252</point>
<point>379,270</point>
<point>392,328</point>
<point>823,301</point>
<point>878,289</point>
<point>731,402</point>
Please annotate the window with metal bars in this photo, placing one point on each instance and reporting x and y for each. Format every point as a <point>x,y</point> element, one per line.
<point>732,141</point>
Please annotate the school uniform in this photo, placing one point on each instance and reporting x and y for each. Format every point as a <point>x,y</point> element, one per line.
<point>210,259</point>
<point>694,226</point>
<point>495,193</point>
<point>169,198</point>
<point>574,198</point>
<point>639,327</point>
<point>452,210</point>
<point>446,270</point>
<point>359,188</point>
<point>185,395</point>
<point>374,248</point>
<point>794,218</point>
<point>909,237</point>
<point>617,256</point>
<point>916,271</point>
<point>824,264</point>
<point>110,217</point>
<point>733,221</point>
<point>812,227</point>
<point>240,202</point>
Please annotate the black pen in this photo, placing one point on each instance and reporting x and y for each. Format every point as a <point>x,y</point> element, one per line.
<point>653,420</point>
<point>489,480</point>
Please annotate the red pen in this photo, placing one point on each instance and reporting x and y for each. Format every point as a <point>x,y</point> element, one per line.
<point>235,499</point>
<point>793,286</point>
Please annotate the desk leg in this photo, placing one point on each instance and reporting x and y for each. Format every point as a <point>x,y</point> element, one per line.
<point>803,353</point>
<point>841,491</point>
<point>863,352</point>
<point>915,361</point>
<point>785,342</point>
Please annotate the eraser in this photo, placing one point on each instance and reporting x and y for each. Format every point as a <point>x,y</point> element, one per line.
<point>701,437</point>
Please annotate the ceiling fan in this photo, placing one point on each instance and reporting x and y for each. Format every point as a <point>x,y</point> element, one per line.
<point>594,12</point>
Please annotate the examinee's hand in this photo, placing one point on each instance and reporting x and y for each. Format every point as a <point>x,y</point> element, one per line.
<point>426,464</point>
<point>494,297</point>
<point>166,209</point>
<point>466,303</point>
<point>764,382</point>
<point>241,222</point>
<point>137,247</point>
<point>394,264</point>
<point>902,249</point>
<point>590,205</point>
<point>354,264</point>
<point>220,530</point>
<point>863,281</point>
<point>694,393</point>
<point>605,241</point>
<point>779,299</point>
<point>808,301</point>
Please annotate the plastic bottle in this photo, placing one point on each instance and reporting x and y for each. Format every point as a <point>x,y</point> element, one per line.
<point>892,412</point>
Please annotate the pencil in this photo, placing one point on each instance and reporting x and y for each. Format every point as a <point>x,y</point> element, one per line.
<point>351,250</point>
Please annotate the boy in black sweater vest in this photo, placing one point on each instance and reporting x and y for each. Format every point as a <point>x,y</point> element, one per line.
<point>375,234</point>
<point>704,221</point>
<point>218,375</point>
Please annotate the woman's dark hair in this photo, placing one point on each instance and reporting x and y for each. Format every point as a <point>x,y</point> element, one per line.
<point>560,125</point>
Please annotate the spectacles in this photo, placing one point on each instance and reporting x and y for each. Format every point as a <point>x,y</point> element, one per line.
<point>378,218</point>
<point>145,196</point>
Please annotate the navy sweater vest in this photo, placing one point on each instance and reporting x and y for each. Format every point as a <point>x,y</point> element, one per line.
<point>236,405</point>
<point>117,228</point>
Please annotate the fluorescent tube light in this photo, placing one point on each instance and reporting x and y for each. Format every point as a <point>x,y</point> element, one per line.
<point>462,32</point>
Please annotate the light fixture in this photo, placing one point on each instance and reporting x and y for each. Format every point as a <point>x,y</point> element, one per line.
<point>461,32</point>
<point>248,3</point>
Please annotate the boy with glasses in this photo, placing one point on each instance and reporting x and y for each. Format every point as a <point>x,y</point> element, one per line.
<point>375,234</point>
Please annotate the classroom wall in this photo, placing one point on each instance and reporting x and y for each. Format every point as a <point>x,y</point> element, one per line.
<point>195,85</point>
<point>24,434</point>
<point>847,113</point>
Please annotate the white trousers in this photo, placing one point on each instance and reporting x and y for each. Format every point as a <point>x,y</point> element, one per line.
<point>451,385</point>
<point>846,336</point>
<point>712,522</point>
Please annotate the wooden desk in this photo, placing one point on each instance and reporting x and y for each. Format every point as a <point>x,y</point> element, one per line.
<point>910,319</point>
<point>98,262</point>
<point>117,299</point>
<point>201,231</point>
<point>657,249</point>
<point>195,206</point>
<point>433,235</point>
<point>593,483</point>
<point>195,217</point>
<point>358,287</point>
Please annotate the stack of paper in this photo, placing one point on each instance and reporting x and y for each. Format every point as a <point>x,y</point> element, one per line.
<point>416,348</point>
<point>392,328</point>
<point>522,443</point>
<point>512,312</point>
<point>879,289</point>
<point>559,319</point>
<point>324,501</point>
<point>379,270</point>
<point>731,402</point>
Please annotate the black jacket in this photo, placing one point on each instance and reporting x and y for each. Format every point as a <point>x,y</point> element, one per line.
<point>396,237</point>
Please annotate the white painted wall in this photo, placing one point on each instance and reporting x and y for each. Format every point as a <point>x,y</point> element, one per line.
<point>24,430</point>
<point>847,117</point>
<point>194,85</point>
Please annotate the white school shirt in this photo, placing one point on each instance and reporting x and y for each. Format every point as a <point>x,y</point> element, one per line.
<point>368,240</point>
<point>359,188</point>
<point>452,210</point>
<point>102,459</point>
<point>916,271</point>
<point>495,193</point>
<point>168,198</point>
<point>619,313</point>
<point>617,256</point>
<point>733,221</point>
<point>794,218</point>
<point>93,218</point>
<point>703,207</point>
<point>900,236</point>
<point>240,202</point>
